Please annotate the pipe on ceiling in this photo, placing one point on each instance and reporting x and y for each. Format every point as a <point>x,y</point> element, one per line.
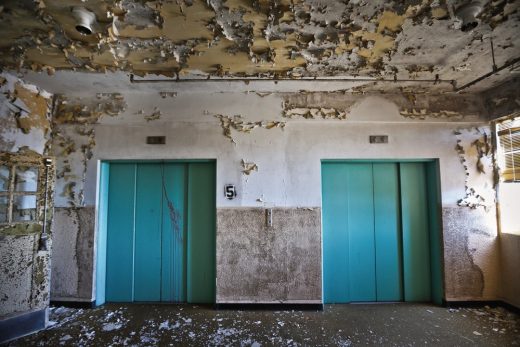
<point>322,79</point>
<point>276,80</point>
<point>491,73</point>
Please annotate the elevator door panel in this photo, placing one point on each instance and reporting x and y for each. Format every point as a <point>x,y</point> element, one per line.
<point>416,244</point>
<point>360,216</point>
<point>161,232</point>
<point>375,232</point>
<point>387,232</point>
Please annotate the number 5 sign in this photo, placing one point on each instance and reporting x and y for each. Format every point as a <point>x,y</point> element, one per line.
<point>229,191</point>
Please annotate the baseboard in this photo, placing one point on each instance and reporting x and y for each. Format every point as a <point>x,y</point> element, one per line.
<point>269,307</point>
<point>23,324</point>
<point>74,304</point>
<point>477,304</point>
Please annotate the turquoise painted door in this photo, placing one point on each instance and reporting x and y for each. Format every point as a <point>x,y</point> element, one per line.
<point>375,232</point>
<point>154,231</point>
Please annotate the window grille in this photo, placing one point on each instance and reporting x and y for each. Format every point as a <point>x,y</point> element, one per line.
<point>508,133</point>
<point>18,193</point>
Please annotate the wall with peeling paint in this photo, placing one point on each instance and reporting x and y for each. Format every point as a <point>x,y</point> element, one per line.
<point>25,130</point>
<point>272,154</point>
<point>25,116</point>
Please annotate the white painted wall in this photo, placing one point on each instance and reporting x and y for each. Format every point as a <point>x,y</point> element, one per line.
<point>288,160</point>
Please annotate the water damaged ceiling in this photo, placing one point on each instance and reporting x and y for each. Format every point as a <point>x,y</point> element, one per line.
<point>293,39</point>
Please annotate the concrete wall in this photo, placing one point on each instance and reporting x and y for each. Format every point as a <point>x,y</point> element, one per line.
<point>285,135</point>
<point>72,267</point>
<point>25,125</point>
<point>283,261</point>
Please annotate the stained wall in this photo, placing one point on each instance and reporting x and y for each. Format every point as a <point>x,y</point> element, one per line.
<point>25,130</point>
<point>269,145</point>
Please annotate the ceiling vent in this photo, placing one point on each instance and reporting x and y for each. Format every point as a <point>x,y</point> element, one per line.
<point>467,13</point>
<point>85,20</point>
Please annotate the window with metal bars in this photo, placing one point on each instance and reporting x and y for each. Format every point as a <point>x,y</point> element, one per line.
<point>508,133</point>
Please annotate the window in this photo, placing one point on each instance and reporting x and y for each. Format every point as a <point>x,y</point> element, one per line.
<point>508,132</point>
<point>508,157</point>
<point>18,193</point>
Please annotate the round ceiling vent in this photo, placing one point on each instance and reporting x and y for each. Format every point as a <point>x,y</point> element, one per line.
<point>468,14</point>
<point>85,20</point>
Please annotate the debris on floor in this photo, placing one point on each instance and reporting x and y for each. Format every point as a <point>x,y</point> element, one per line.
<point>337,325</point>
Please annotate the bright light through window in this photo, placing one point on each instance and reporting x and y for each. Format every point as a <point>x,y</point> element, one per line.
<point>508,157</point>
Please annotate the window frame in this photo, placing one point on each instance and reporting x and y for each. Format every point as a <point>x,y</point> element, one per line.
<point>502,153</point>
<point>11,193</point>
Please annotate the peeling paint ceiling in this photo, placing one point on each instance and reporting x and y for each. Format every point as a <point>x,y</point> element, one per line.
<point>414,39</point>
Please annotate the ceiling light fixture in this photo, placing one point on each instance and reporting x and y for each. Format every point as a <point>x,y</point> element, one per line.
<point>85,20</point>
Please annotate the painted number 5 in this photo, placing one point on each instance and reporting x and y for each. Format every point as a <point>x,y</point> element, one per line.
<point>229,191</point>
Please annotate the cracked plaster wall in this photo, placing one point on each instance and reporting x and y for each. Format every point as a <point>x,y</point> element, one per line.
<point>287,159</point>
<point>25,116</point>
<point>25,128</point>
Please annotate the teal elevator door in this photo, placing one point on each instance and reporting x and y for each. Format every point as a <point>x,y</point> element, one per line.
<point>154,230</point>
<point>375,232</point>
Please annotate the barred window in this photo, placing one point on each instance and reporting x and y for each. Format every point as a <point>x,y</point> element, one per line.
<point>508,133</point>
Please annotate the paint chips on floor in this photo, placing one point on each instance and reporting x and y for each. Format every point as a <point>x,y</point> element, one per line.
<point>337,325</point>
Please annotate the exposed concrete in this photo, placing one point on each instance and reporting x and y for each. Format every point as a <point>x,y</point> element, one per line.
<point>509,268</point>
<point>261,264</point>
<point>503,100</point>
<point>470,254</point>
<point>64,281</point>
<point>72,265</point>
<point>337,325</point>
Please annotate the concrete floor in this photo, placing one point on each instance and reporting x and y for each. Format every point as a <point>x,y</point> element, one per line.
<point>337,325</point>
